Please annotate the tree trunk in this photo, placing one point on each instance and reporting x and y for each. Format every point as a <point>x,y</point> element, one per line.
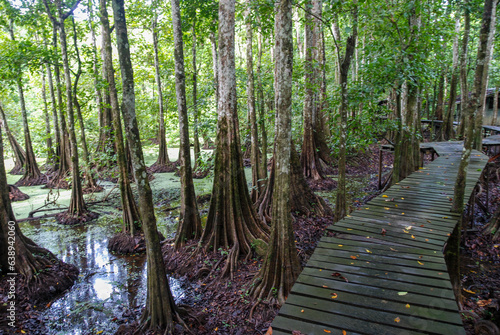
<point>49,162</point>
<point>232,221</point>
<point>160,308</point>
<point>189,220</point>
<point>130,212</point>
<point>262,116</point>
<point>319,110</point>
<point>19,153</point>
<point>485,46</point>
<point>281,265</point>
<point>59,180</point>
<point>440,99</point>
<point>309,158</point>
<point>473,105</point>
<point>32,175</point>
<point>91,183</point>
<point>77,207</point>
<point>163,163</point>
<point>196,138</point>
<point>464,91</point>
<point>257,178</point>
<point>450,112</point>
<point>344,63</point>
<point>55,120</point>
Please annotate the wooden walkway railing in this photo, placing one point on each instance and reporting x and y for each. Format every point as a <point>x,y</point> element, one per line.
<point>384,272</point>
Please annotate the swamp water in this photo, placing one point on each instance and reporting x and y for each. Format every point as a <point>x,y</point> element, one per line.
<point>109,286</point>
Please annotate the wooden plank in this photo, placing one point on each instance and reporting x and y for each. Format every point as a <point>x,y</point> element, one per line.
<point>400,286</point>
<point>286,325</point>
<point>432,226</point>
<point>331,322</point>
<point>331,262</point>
<point>382,248</point>
<point>310,305</point>
<point>395,253</point>
<point>357,294</point>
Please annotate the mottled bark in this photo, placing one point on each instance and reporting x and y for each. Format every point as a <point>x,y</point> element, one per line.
<point>163,163</point>
<point>48,136</point>
<point>311,164</point>
<point>196,138</point>
<point>130,213</point>
<point>55,119</point>
<point>89,178</point>
<point>281,265</point>
<point>438,111</point>
<point>485,46</point>
<point>464,91</point>
<point>232,221</point>
<point>189,221</point>
<point>262,115</point>
<point>450,111</point>
<point>257,178</point>
<point>160,308</point>
<point>17,149</point>
<point>344,64</point>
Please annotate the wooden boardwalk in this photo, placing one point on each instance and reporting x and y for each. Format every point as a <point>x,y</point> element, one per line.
<point>384,272</point>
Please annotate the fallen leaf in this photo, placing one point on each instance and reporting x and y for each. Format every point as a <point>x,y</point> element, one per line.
<point>334,295</point>
<point>302,311</point>
<point>325,286</point>
<point>344,332</point>
<point>353,257</point>
<point>327,331</point>
<point>407,305</point>
<point>385,196</point>
<point>412,236</point>
<point>468,291</point>
<point>483,303</point>
<point>383,232</point>
<point>100,332</point>
<point>368,251</point>
<point>402,293</point>
<point>397,319</point>
<point>386,208</point>
<point>419,262</point>
<point>340,245</point>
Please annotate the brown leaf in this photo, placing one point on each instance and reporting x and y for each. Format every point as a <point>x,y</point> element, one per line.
<point>383,232</point>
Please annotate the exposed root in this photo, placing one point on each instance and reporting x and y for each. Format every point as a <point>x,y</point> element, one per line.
<point>68,219</point>
<point>17,171</point>
<point>124,243</point>
<point>162,168</point>
<point>40,180</point>
<point>15,194</point>
<point>321,185</point>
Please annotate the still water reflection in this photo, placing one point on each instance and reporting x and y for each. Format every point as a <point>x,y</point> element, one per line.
<point>108,287</point>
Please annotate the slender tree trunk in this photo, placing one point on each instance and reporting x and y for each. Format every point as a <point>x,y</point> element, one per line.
<point>55,120</point>
<point>309,158</point>
<point>440,99</point>
<point>196,138</point>
<point>189,220</point>
<point>91,183</point>
<point>464,92</point>
<point>32,175</point>
<point>232,221</point>
<point>163,163</point>
<point>130,212</point>
<point>160,307</point>
<point>262,116</point>
<point>450,112</point>
<point>281,265</point>
<point>344,63</point>
<point>48,136</point>
<point>257,178</point>
<point>19,153</point>
<point>485,46</point>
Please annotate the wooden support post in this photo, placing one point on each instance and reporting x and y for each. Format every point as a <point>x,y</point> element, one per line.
<point>487,179</point>
<point>452,257</point>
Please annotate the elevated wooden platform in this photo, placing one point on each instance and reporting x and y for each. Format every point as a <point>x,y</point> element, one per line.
<point>384,271</point>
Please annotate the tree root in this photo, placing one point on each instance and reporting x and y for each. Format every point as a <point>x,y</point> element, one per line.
<point>15,194</point>
<point>66,218</point>
<point>162,168</point>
